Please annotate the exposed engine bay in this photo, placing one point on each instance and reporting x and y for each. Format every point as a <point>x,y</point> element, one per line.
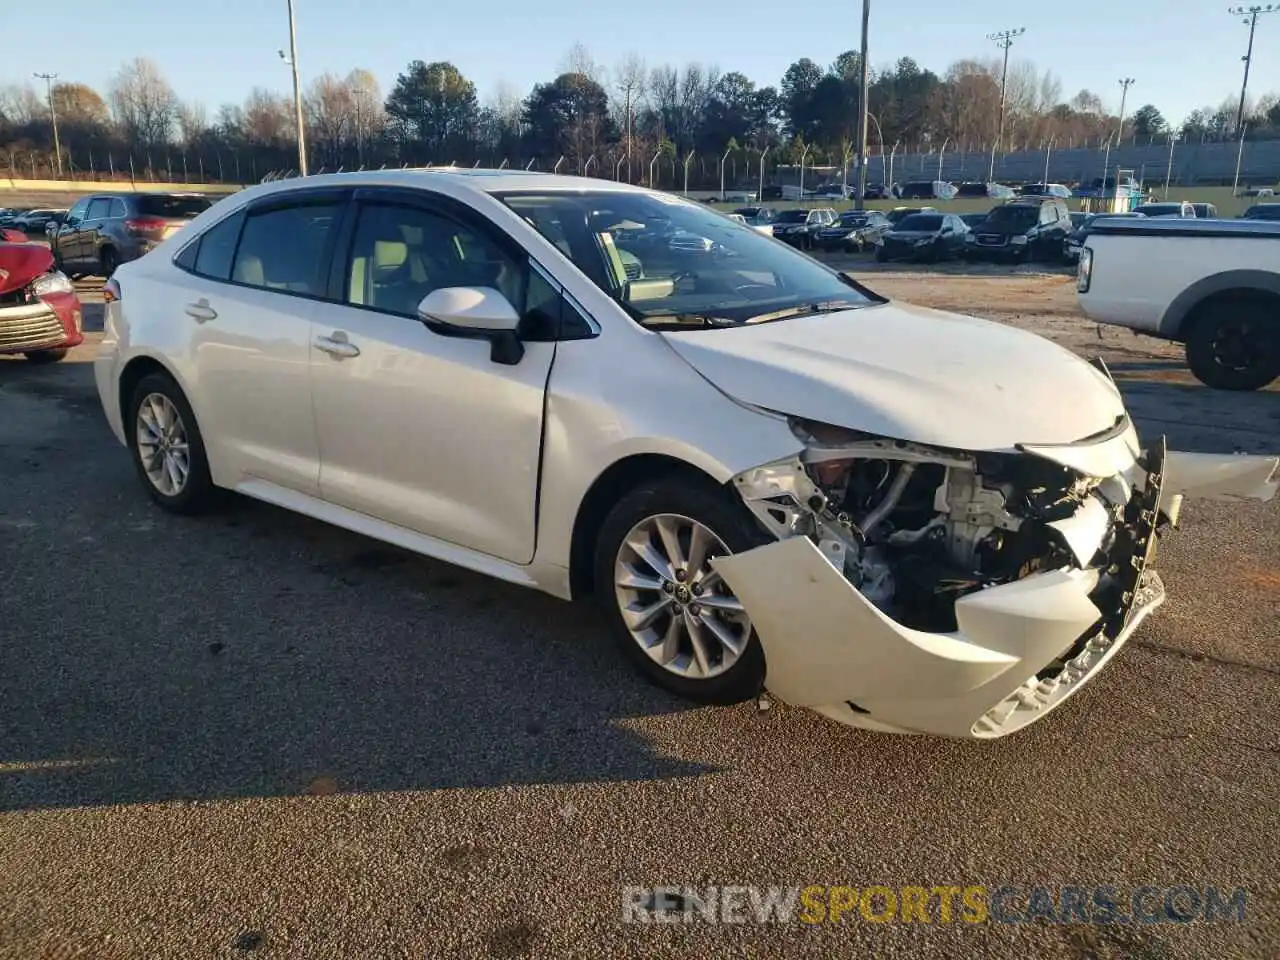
<point>915,528</point>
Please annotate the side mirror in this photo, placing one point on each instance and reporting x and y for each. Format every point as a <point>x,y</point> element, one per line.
<point>479,313</point>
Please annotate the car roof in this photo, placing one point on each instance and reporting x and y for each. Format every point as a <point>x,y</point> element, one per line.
<point>449,179</point>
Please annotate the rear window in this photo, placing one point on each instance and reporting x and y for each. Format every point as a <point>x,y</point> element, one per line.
<point>853,219</point>
<point>972,190</point>
<point>792,216</point>
<point>1017,215</point>
<point>921,221</point>
<point>172,208</point>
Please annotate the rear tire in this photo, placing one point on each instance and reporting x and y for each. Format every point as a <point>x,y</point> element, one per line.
<point>179,443</point>
<point>109,260</point>
<point>672,661</point>
<point>1234,344</point>
<point>46,356</point>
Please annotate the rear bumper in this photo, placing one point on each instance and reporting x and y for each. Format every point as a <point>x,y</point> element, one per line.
<point>52,323</point>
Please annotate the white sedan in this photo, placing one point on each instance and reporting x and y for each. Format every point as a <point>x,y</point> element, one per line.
<point>767,475</point>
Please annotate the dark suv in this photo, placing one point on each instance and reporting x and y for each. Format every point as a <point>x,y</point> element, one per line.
<point>1029,228</point>
<point>102,231</point>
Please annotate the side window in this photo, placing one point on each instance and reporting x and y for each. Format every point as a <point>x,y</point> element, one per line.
<point>116,211</point>
<point>77,211</point>
<point>283,248</point>
<point>549,314</point>
<point>186,258</point>
<point>215,249</point>
<point>98,209</point>
<point>399,254</point>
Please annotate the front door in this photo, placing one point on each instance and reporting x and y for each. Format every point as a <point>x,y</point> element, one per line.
<point>68,236</point>
<point>416,428</point>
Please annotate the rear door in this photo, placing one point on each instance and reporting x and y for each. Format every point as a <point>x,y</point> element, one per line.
<point>256,279</point>
<point>89,237</point>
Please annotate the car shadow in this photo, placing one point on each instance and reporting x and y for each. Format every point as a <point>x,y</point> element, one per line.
<point>254,652</point>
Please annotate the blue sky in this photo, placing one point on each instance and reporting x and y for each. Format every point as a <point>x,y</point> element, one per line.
<point>1183,53</point>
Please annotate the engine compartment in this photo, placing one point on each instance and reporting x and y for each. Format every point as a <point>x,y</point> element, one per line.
<point>915,528</point>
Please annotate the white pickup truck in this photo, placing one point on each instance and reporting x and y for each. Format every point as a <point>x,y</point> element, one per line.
<point>1213,285</point>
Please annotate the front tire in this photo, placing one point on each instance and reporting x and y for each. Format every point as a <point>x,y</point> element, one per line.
<point>675,619</point>
<point>1234,344</point>
<point>167,447</point>
<point>46,356</point>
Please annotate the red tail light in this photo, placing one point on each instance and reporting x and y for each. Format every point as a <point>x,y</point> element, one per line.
<point>150,227</point>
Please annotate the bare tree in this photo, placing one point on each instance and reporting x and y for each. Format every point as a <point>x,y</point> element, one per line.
<point>330,112</point>
<point>20,104</point>
<point>192,122</point>
<point>629,86</point>
<point>579,60</point>
<point>369,119</point>
<point>143,103</point>
<point>267,118</point>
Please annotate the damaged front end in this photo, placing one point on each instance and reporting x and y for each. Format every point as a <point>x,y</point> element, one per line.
<point>921,590</point>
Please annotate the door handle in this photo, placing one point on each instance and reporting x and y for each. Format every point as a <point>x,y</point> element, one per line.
<point>337,348</point>
<point>200,311</point>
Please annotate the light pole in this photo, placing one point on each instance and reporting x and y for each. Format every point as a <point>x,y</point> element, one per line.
<point>1003,39</point>
<point>1235,186</point>
<point>723,158</point>
<point>884,170</point>
<point>1126,83</point>
<point>861,202</point>
<point>1048,149</point>
<point>1168,173</point>
<point>1106,167</point>
<point>942,152</point>
<point>48,79</point>
<point>763,153</point>
<point>292,61</point>
<point>1250,15</point>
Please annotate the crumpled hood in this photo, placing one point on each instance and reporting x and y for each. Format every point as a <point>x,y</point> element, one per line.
<point>910,373</point>
<point>20,263</point>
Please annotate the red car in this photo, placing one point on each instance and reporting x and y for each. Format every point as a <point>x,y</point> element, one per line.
<point>40,314</point>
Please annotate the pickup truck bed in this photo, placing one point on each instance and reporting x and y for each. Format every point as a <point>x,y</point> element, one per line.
<point>1213,285</point>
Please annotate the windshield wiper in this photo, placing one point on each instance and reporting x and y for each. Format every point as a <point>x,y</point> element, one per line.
<point>805,309</point>
<point>685,321</point>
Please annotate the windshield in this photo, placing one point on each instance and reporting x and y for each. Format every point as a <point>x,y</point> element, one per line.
<point>921,221</point>
<point>972,190</point>
<point>1014,216</point>
<point>736,276</point>
<point>793,216</point>
<point>1159,209</point>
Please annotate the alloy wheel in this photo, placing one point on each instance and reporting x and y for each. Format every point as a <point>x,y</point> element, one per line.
<point>677,609</point>
<point>161,439</point>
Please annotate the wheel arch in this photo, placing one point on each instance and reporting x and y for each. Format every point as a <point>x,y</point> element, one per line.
<point>1232,284</point>
<point>609,487</point>
<point>131,375</point>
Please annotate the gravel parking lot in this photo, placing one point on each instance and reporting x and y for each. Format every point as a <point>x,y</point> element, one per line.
<point>251,734</point>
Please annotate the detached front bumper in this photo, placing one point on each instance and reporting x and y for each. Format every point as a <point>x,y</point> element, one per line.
<point>1020,649</point>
